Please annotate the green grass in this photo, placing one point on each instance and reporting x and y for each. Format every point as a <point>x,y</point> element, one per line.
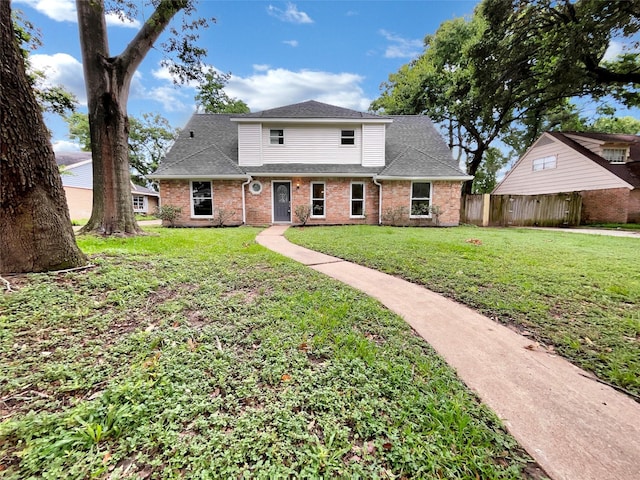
<point>196,353</point>
<point>577,293</point>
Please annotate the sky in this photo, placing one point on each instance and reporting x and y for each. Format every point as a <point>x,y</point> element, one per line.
<point>278,53</point>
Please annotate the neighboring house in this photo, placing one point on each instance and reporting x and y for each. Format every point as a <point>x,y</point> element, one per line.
<point>604,168</point>
<point>77,180</point>
<point>346,166</point>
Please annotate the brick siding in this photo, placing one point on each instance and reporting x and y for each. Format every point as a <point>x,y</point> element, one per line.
<point>396,203</point>
<point>611,205</point>
<point>396,194</point>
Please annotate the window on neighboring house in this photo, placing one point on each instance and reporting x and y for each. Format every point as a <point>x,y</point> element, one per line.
<point>544,163</point>
<point>615,155</point>
<point>357,199</point>
<point>348,137</point>
<point>276,137</point>
<point>420,199</point>
<point>317,199</point>
<point>201,199</point>
<point>138,203</point>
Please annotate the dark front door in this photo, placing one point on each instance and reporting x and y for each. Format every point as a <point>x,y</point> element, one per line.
<point>281,201</point>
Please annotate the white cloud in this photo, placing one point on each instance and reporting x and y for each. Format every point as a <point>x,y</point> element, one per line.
<point>278,87</point>
<point>291,14</point>
<point>65,11</point>
<point>401,47</point>
<point>61,69</point>
<point>614,49</point>
<point>292,43</point>
<point>261,67</point>
<point>58,10</point>
<point>65,146</point>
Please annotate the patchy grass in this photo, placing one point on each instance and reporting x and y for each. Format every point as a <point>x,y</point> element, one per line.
<point>577,293</point>
<point>199,354</point>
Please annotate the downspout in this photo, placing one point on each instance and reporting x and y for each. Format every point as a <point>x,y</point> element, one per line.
<point>375,181</point>
<point>244,207</point>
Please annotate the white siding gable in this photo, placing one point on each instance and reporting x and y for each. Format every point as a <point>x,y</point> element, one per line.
<point>249,144</point>
<point>373,141</point>
<point>79,175</point>
<point>572,172</point>
<point>318,144</point>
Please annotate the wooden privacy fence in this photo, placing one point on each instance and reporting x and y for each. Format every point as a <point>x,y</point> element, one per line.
<point>553,210</point>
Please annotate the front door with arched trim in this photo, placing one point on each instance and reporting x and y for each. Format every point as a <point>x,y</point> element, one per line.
<point>281,201</point>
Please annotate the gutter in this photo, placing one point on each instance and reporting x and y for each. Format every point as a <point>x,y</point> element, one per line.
<point>375,181</point>
<point>244,206</point>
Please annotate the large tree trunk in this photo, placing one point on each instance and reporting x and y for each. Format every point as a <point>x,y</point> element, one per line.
<point>107,81</point>
<point>35,229</point>
<point>472,168</point>
<point>107,86</point>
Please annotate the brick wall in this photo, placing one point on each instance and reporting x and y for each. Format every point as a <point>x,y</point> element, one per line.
<point>633,212</point>
<point>611,205</point>
<point>337,201</point>
<point>396,203</point>
<point>227,202</point>
<point>228,195</point>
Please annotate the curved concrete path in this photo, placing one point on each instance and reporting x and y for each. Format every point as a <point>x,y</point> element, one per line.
<point>573,426</point>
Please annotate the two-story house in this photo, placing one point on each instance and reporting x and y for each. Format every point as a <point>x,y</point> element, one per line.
<point>344,166</point>
<point>604,168</point>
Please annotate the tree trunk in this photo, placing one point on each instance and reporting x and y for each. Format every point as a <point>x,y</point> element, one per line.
<point>107,81</point>
<point>35,229</point>
<point>472,168</point>
<point>107,85</point>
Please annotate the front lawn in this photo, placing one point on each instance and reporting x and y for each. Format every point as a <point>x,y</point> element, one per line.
<point>579,294</point>
<point>199,354</point>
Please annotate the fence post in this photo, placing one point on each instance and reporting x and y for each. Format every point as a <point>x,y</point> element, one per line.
<point>486,209</point>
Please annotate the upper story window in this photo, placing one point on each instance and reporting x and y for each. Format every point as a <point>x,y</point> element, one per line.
<point>201,199</point>
<point>544,163</point>
<point>348,137</point>
<point>615,155</point>
<point>276,137</point>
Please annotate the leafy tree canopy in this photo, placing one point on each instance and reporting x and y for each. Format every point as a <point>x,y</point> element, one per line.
<point>211,97</point>
<point>149,139</point>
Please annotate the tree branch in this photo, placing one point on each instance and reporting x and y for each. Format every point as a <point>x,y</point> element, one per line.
<point>138,48</point>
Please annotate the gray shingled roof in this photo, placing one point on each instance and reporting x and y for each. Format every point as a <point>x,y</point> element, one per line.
<point>71,158</point>
<point>208,147</point>
<point>310,109</point>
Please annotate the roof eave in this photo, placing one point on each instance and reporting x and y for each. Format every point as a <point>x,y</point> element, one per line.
<point>458,178</point>
<point>311,175</point>
<point>198,177</point>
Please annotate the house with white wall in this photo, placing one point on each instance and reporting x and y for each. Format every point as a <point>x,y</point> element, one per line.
<point>345,166</point>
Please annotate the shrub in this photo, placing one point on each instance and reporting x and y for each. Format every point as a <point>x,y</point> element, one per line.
<point>168,213</point>
<point>303,212</point>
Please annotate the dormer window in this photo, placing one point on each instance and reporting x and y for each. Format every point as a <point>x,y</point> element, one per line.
<point>276,137</point>
<point>348,137</point>
<point>615,155</point>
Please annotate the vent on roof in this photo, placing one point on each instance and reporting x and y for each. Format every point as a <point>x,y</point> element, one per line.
<point>191,134</point>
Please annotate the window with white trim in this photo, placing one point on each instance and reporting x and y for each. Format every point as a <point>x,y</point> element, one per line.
<point>357,200</point>
<point>348,137</point>
<point>276,137</point>
<point>317,199</point>
<point>138,203</point>
<point>420,200</point>
<point>615,155</point>
<point>544,163</point>
<point>201,199</point>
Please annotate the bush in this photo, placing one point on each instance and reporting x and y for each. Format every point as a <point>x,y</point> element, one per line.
<point>303,212</point>
<point>168,213</point>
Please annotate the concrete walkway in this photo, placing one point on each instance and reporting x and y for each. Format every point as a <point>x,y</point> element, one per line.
<point>573,426</point>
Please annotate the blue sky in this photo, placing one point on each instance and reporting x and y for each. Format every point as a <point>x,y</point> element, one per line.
<point>278,53</point>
